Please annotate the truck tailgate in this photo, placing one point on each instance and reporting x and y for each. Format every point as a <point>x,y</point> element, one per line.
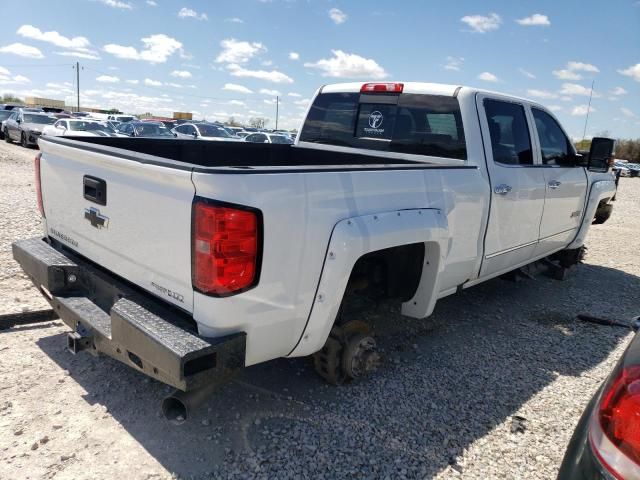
<point>140,230</point>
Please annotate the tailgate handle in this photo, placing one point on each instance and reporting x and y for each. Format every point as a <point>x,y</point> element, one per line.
<point>95,189</point>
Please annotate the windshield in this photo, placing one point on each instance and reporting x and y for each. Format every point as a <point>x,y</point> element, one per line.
<point>40,119</point>
<point>281,139</point>
<point>81,126</point>
<point>153,130</point>
<point>124,119</point>
<point>213,131</point>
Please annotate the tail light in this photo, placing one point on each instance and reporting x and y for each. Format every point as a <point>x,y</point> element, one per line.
<point>382,88</point>
<point>36,168</point>
<point>614,432</point>
<point>226,248</point>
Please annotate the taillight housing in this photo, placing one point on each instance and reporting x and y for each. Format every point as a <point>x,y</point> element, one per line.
<point>226,248</point>
<point>614,432</point>
<point>382,88</point>
<point>36,168</point>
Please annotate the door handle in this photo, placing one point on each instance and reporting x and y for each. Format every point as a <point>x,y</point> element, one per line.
<point>554,184</point>
<point>502,189</point>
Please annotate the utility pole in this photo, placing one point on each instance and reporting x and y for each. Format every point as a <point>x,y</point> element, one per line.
<point>77,67</point>
<point>584,134</point>
<point>277,109</point>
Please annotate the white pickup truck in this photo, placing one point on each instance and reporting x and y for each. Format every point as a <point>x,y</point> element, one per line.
<point>187,260</point>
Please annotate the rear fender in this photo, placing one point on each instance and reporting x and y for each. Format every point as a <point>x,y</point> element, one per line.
<point>354,237</point>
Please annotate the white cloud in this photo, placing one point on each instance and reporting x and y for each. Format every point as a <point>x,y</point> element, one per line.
<point>582,67</point>
<point>272,93</point>
<point>454,63</point>
<point>233,87</point>
<point>107,79</point>
<point>74,53</point>
<point>22,50</point>
<point>481,23</point>
<point>189,13</point>
<point>633,72</point>
<point>541,94</point>
<point>117,4</point>
<point>348,65</point>
<point>565,74</point>
<point>234,20</point>
<point>575,89</point>
<point>536,19</point>
<point>270,76</point>
<point>157,49</point>
<point>7,79</point>
<point>555,108</point>
<point>294,95</point>
<point>237,103</point>
<point>152,83</point>
<point>234,51</point>
<point>618,91</point>
<point>488,77</point>
<point>302,103</point>
<point>266,63</point>
<point>181,74</point>
<point>152,3</point>
<point>526,73</point>
<point>53,37</point>
<point>133,82</point>
<point>628,113</point>
<point>337,16</point>
<point>294,56</point>
<point>581,110</point>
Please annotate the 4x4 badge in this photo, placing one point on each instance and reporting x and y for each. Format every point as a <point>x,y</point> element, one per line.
<point>93,215</point>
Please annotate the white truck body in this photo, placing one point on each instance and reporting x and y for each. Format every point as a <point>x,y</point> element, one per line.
<point>477,217</point>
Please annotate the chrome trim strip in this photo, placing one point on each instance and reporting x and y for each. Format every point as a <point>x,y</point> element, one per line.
<point>512,249</point>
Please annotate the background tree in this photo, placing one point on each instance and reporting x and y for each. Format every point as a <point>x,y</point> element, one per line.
<point>10,98</point>
<point>258,122</point>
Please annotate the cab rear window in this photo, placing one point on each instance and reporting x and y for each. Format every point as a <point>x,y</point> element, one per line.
<point>409,123</point>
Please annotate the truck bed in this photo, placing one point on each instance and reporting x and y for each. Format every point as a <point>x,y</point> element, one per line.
<point>236,157</point>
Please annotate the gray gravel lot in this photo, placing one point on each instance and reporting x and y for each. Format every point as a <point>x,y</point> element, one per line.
<point>442,405</point>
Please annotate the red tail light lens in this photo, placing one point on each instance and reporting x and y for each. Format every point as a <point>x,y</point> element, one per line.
<point>36,168</point>
<point>382,88</point>
<point>615,427</point>
<point>226,248</point>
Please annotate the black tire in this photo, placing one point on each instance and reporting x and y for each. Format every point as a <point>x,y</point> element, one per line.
<point>23,140</point>
<point>7,138</point>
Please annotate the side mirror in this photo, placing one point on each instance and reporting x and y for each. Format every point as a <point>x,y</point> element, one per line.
<point>600,154</point>
<point>195,134</point>
<point>18,120</point>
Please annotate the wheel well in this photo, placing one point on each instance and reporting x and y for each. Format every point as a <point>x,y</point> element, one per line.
<point>389,273</point>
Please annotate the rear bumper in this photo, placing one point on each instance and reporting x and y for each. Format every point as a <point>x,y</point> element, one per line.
<point>109,316</point>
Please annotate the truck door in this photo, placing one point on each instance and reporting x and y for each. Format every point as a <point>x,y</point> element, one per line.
<point>517,186</point>
<point>566,184</point>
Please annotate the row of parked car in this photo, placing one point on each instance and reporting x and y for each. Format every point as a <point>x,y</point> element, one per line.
<point>626,168</point>
<point>26,125</point>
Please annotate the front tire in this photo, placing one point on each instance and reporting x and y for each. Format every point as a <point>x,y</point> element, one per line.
<point>23,140</point>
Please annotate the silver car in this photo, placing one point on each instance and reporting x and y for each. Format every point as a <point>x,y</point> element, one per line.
<point>26,127</point>
<point>203,131</point>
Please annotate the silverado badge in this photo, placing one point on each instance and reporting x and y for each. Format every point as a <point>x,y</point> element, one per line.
<point>93,215</point>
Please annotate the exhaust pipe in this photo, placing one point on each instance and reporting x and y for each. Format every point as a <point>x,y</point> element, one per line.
<point>179,406</point>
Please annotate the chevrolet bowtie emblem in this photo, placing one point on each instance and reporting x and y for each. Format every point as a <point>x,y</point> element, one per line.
<point>93,215</point>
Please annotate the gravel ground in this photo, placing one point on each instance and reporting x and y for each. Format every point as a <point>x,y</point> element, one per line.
<point>443,404</point>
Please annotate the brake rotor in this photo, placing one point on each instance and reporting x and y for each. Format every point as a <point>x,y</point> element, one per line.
<point>360,357</point>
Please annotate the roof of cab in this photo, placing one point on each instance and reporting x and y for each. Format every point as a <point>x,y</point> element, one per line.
<point>420,88</point>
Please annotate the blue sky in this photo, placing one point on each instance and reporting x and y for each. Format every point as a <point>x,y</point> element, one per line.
<point>220,59</point>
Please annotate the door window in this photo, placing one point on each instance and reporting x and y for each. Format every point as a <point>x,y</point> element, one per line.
<point>554,144</point>
<point>509,131</point>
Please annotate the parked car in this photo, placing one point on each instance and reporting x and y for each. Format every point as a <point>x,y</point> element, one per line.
<point>409,192</point>
<point>10,106</point>
<point>622,167</point>
<point>634,169</point>
<point>203,131</point>
<point>144,129</point>
<point>26,127</point>
<point>122,118</point>
<point>31,109</point>
<point>4,114</point>
<point>79,128</point>
<point>269,138</point>
<point>605,444</point>
<point>242,134</point>
<point>80,114</point>
<point>234,130</point>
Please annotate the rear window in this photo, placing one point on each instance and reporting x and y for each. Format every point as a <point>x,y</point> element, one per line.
<point>409,123</point>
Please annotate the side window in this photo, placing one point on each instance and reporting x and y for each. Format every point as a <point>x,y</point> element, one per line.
<point>510,140</point>
<point>191,130</point>
<point>555,146</point>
